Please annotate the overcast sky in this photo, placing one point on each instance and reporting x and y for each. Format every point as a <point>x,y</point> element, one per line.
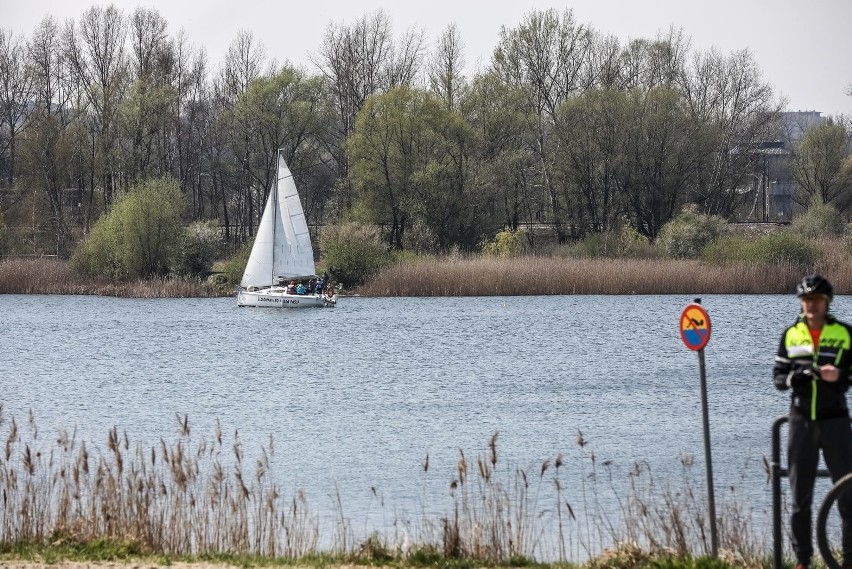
<point>803,48</point>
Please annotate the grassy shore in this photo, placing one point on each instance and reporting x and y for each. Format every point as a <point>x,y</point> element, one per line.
<point>468,277</point>
<point>59,558</point>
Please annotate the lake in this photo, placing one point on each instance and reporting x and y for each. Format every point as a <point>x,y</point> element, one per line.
<point>356,397</point>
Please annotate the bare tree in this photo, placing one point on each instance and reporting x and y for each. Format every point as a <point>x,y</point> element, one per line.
<point>822,167</point>
<point>547,58</point>
<point>647,64</point>
<point>150,42</point>
<point>54,149</point>
<point>51,75</point>
<point>193,117</point>
<point>16,88</point>
<point>359,60</point>
<point>95,49</point>
<point>149,108</point>
<point>729,93</point>
<point>445,67</point>
<point>243,64</point>
<point>605,62</point>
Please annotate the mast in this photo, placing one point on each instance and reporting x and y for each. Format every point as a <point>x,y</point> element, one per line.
<point>275,212</point>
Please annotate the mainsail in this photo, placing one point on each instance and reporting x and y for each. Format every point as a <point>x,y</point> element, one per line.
<point>282,246</point>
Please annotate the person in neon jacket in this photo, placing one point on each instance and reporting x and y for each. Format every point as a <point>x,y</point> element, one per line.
<point>813,362</point>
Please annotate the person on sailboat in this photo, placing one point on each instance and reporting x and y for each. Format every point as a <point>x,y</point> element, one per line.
<point>291,288</point>
<point>329,294</point>
<point>322,282</point>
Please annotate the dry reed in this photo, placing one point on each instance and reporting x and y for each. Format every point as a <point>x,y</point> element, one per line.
<point>182,498</point>
<point>47,276</point>
<point>475,277</point>
<point>192,497</point>
<point>555,275</point>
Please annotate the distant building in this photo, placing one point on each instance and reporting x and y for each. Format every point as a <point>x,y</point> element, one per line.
<point>772,185</point>
<point>795,124</point>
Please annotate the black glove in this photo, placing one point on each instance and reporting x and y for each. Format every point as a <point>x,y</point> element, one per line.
<point>802,375</point>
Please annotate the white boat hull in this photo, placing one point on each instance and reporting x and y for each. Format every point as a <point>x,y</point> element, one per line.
<point>272,298</point>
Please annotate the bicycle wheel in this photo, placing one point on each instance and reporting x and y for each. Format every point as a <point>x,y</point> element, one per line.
<point>843,485</point>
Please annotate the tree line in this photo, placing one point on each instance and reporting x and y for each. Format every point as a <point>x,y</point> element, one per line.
<point>566,125</point>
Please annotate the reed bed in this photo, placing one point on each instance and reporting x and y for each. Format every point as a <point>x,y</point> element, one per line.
<point>192,497</point>
<point>181,498</point>
<point>555,275</point>
<point>480,276</point>
<point>47,276</point>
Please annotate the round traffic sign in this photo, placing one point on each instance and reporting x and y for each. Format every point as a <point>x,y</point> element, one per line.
<point>695,327</point>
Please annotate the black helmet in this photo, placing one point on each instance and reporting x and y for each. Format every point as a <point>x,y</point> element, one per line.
<point>814,284</point>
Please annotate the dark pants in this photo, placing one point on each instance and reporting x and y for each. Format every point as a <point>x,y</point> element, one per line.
<point>806,437</point>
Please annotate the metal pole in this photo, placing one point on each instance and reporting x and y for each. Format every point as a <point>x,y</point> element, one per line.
<point>777,473</point>
<point>711,502</point>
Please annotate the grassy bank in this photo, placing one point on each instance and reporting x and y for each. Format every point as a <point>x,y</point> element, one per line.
<point>189,497</point>
<point>44,557</point>
<point>52,557</point>
<point>556,275</point>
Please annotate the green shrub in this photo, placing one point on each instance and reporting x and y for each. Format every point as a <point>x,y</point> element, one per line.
<point>686,236</point>
<point>353,253</point>
<point>784,248</point>
<point>138,238</point>
<point>633,244</point>
<point>779,248</point>
<point>620,243</point>
<point>234,267</point>
<point>821,220</point>
<point>420,238</point>
<point>728,250</point>
<point>100,253</point>
<point>591,246</point>
<point>506,244</point>
<point>199,246</point>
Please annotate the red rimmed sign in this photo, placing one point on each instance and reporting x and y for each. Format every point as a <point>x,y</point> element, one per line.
<point>695,327</point>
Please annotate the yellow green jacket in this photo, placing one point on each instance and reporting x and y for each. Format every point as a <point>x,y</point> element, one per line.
<point>813,397</point>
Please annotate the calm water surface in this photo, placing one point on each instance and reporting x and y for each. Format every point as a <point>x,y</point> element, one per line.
<point>357,396</point>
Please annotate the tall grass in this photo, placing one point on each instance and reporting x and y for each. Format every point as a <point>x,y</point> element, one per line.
<point>204,497</point>
<point>182,498</point>
<point>46,276</point>
<point>553,275</point>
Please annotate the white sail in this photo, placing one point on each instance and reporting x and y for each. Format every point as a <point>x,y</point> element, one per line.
<point>293,255</point>
<point>282,246</point>
<point>258,271</point>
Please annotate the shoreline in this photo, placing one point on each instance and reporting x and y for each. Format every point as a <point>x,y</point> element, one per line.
<point>477,277</point>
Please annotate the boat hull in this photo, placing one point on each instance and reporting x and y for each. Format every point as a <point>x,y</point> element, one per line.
<point>275,299</point>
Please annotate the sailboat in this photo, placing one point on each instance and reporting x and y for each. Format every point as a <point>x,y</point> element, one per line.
<point>282,252</point>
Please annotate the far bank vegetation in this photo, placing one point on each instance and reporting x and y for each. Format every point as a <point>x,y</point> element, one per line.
<point>587,174</point>
<point>694,254</point>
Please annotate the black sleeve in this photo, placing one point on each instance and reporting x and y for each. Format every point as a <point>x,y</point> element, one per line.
<point>843,369</point>
<point>782,369</point>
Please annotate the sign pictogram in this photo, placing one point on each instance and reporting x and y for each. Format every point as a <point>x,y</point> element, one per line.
<point>695,327</point>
